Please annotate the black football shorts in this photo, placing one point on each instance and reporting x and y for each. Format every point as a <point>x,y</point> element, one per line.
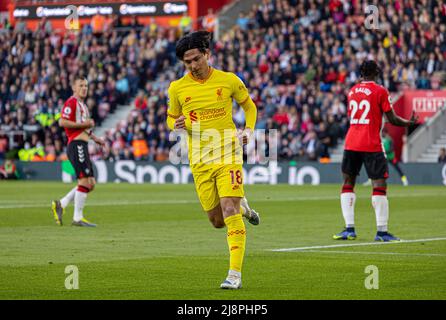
<point>80,159</point>
<point>375,164</point>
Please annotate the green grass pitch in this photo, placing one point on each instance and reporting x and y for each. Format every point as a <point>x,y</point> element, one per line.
<point>154,242</point>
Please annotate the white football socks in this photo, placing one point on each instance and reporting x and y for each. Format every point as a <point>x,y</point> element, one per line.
<point>381,206</point>
<point>65,201</point>
<point>348,200</point>
<point>235,274</point>
<point>79,202</point>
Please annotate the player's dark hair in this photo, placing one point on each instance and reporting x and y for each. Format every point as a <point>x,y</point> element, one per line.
<point>79,77</point>
<point>369,69</point>
<point>196,40</point>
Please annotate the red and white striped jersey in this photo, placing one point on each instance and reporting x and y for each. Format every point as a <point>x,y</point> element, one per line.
<point>76,111</point>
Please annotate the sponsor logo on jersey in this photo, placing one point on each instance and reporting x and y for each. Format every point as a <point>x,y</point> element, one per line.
<point>212,114</point>
<point>193,116</point>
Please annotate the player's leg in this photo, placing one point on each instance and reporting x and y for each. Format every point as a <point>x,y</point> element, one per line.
<point>65,201</point>
<point>236,238</point>
<point>229,181</point>
<point>86,182</point>
<point>400,172</point>
<point>208,196</point>
<point>250,214</point>
<point>215,216</point>
<point>380,204</point>
<point>85,186</point>
<point>351,166</point>
<point>377,169</point>
<point>59,206</point>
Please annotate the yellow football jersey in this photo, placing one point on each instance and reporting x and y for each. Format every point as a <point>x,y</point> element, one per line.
<point>207,106</point>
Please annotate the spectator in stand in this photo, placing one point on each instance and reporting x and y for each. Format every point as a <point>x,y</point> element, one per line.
<point>141,102</point>
<point>242,21</point>
<point>442,156</point>
<point>324,141</point>
<point>185,23</point>
<point>140,147</point>
<point>209,21</point>
<point>8,171</point>
<point>97,24</point>
<point>281,116</point>
<point>3,145</point>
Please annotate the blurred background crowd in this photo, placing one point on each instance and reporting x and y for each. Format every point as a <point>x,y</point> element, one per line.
<point>297,58</point>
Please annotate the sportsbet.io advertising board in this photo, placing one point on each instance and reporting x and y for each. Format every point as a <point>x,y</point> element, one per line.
<point>309,173</point>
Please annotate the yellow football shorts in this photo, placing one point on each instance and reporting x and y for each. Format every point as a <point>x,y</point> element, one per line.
<point>220,181</point>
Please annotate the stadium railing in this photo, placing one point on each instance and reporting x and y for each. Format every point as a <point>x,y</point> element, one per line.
<point>425,135</point>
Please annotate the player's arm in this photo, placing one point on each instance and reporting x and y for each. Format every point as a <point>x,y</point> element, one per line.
<point>392,117</point>
<point>250,113</point>
<point>176,122</point>
<point>96,139</point>
<point>251,117</point>
<point>241,95</point>
<point>74,125</point>
<point>396,120</point>
<point>175,118</point>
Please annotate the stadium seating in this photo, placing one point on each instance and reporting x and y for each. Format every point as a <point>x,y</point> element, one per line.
<point>298,59</point>
<point>36,69</point>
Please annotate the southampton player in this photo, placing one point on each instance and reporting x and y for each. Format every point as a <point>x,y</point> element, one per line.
<point>367,102</point>
<point>204,97</point>
<point>78,127</point>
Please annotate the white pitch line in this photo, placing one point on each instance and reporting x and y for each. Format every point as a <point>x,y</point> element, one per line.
<point>379,253</point>
<point>355,245</point>
<point>102,204</point>
<point>9,205</point>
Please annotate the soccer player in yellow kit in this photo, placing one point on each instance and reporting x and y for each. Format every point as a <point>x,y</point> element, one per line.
<point>201,103</point>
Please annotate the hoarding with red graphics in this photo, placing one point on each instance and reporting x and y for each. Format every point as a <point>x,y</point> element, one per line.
<point>425,103</point>
<point>166,13</point>
<point>216,5</point>
<point>4,5</point>
<point>62,10</point>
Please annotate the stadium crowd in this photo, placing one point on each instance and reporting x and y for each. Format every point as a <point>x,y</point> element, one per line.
<point>298,59</point>
<point>37,67</point>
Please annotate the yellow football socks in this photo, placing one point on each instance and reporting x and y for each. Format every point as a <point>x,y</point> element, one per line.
<point>236,241</point>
